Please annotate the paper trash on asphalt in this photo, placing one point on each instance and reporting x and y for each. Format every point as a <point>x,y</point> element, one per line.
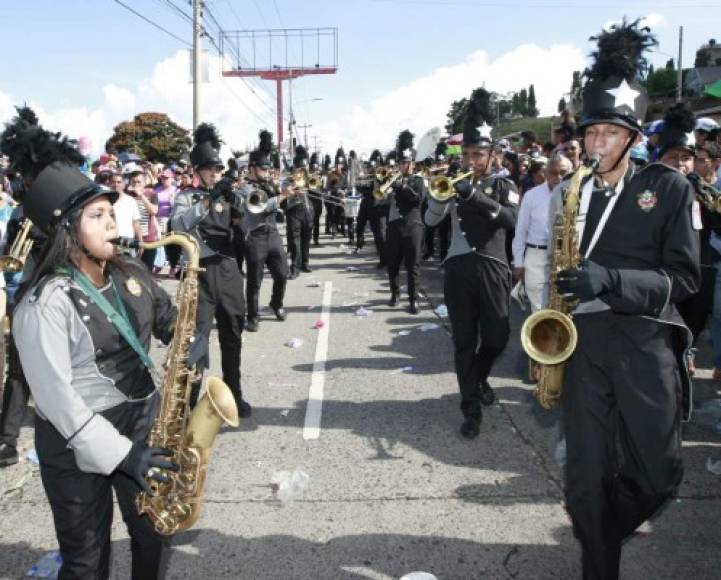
<point>363,312</point>
<point>294,342</point>
<point>441,311</point>
<point>289,485</point>
<point>426,326</point>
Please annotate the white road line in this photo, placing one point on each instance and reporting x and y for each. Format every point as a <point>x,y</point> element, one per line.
<point>314,410</point>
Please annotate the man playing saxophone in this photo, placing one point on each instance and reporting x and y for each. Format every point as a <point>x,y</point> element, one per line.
<point>83,329</point>
<point>638,258</point>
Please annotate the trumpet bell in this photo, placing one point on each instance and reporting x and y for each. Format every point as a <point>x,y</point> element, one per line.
<point>549,336</point>
<point>257,201</point>
<point>441,189</point>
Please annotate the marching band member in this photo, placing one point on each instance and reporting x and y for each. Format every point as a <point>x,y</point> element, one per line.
<point>444,227</point>
<point>336,186</point>
<point>263,244</point>
<point>207,212</point>
<point>621,403</point>
<point>299,220</point>
<point>477,276</point>
<point>405,223</point>
<point>329,213</point>
<point>316,199</point>
<point>364,186</point>
<point>95,399</point>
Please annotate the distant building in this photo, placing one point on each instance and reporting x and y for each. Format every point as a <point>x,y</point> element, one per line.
<point>709,55</point>
<point>697,79</point>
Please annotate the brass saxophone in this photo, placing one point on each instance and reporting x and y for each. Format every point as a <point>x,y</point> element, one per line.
<point>549,335</point>
<point>175,506</point>
<point>706,194</point>
<point>17,255</point>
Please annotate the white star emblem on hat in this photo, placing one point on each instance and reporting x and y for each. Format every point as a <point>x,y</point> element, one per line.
<point>623,94</point>
<point>485,130</point>
<point>407,153</point>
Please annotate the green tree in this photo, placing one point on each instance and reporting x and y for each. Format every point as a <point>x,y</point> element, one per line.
<point>523,103</point>
<point>532,109</point>
<point>670,64</point>
<point>661,83</point>
<point>455,116</point>
<point>562,105</point>
<point>153,136</point>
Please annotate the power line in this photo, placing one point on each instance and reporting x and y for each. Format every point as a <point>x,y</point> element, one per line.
<point>139,15</point>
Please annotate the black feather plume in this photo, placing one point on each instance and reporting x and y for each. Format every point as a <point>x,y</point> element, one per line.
<point>405,140</point>
<point>314,159</point>
<point>680,117</point>
<point>326,162</point>
<point>266,142</point>
<point>475,117</point>
<point>482,106</point>
<point>620,52</point>
<point>441,147</point>
<point>340,153</point>
<point>30,148</point>
<point>301,152</point>
<point>207,132</point>
<point>376,156</point>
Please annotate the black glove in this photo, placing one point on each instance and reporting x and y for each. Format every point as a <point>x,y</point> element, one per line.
<point>585,283</point>
<point>224,189</point>
<point>464,189</point>
<point>198,351</point>
<point>144,462</point>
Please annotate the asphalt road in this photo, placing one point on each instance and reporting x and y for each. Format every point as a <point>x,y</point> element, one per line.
<point>391,486</point>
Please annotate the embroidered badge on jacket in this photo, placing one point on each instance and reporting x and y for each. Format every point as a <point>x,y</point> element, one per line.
<point>133,287</point>
<point>218,207</point>
<point>647,200</point>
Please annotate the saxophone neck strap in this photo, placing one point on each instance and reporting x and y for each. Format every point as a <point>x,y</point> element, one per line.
<point>117,316</point>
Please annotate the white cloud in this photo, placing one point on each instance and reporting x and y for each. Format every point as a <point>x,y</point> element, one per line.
<point>419,105</point>
<point>423,103</point>
<point>654,21</point>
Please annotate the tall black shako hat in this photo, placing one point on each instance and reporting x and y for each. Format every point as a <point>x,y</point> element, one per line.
<point>340,157</point>
<point>376,158</point>
<point>404,146</point>
<point>477,120</point>
<point>326,162</point>
<point>677,132</point>
<point>440,152</point>
<point>206,147</point>
<point>613,92</point>
<point>49,161</point>
<point>314,161</point>
<point>301,157</point>
<point>262,156</point>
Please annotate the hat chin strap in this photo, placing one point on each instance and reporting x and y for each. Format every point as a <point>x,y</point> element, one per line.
<point>625,151</point>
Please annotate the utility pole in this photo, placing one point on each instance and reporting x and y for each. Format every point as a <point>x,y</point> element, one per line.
<point>679,80</point>
<point>197,5</point>
<point>305,133</point>
<point>315,143</point>
<point>291,118</point>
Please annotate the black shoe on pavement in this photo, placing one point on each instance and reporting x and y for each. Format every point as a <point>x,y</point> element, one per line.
<point>488,397</point>
<point>306,269</point>
<point>471,427</point>
<point>280,313</point>
<point>316,243</point>
<point>252,325</point>
<point>394,300</point>
<point>244,408</point>
<point>293,275</point>
<point>412,308</point>
<point>380,265</point>
<point>8,455</point>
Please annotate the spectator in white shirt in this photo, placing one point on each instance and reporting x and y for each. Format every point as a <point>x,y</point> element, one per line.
<point>127,214</point>
<point>530,244</point>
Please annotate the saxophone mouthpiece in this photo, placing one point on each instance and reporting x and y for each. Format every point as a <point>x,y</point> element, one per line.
<point>126,243</point>
<point>593,161</point>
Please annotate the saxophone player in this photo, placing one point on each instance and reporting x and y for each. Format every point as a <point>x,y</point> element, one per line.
<point>477,276</point>
<point>207,212</point>
<point>94,395</point>
<point>639,257</point>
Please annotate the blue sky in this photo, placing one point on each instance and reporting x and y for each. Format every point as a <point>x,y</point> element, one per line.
<point>63,56</point>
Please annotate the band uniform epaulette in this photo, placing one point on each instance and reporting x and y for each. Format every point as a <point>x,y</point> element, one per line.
<point>62,279</point>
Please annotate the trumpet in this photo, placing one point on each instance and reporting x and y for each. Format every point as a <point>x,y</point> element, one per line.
<point>257,201</point>
<point>428,171</point>
<point>441,187</point>
<point>382,173</point>
<point>15,259</point>
<point>382,192</point>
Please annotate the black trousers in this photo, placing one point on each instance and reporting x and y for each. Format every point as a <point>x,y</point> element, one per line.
<point>379,227</point>
<point>330,218</point>
<point>477,293</point>
<point>350,229</point>
<point>264,247</point>
<point>148,258</point>
<point>405,238</point>
<point>15,397</point>
<point>220,298</point>
<point>696,309</point>
<point>317,210</point>
<point>82,503</point>
<point>299,231</point>
<point>621,416</point>
<point>444,238</point>
<point>364,217</point>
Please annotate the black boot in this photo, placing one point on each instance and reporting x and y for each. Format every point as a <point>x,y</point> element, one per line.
<point>280,313</point>
<point>8,455</point>
<point>412,308</point>
<point>394,299</point>
<point>251,325</point>
<point>471,427</point>
<point>487,395</point>
<point>244,408</point>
